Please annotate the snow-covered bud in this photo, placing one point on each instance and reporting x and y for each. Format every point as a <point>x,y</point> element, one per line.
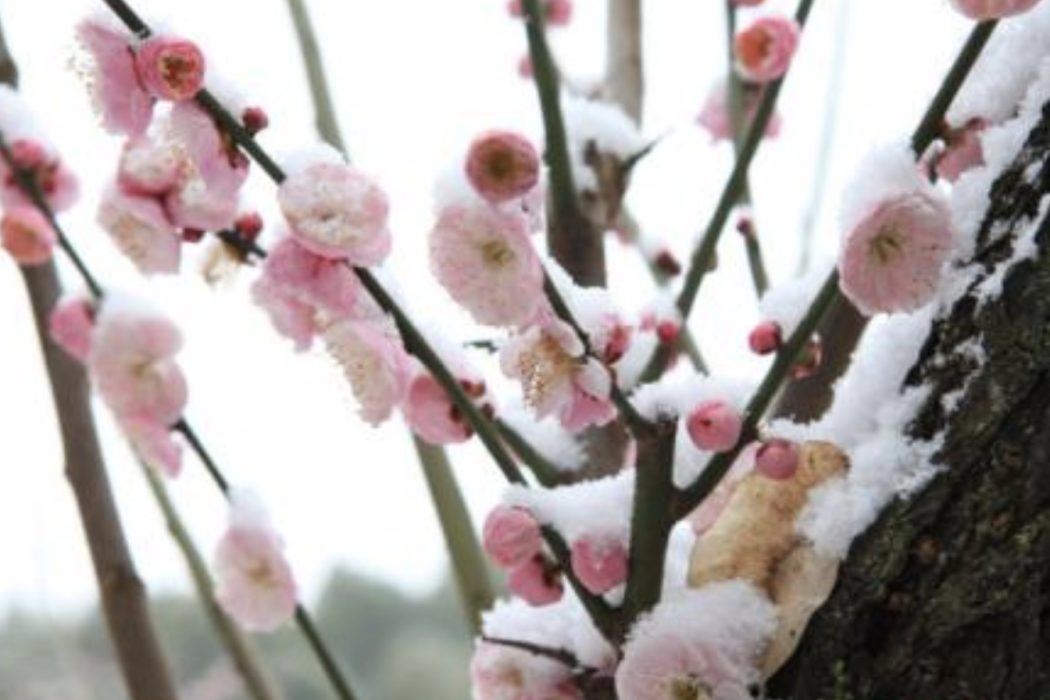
<point>599,566</point>
<point>962,150</point>
<point>171,68</point>
<point>714,426</point>
<point>777,459</point>
<point>765,338</point>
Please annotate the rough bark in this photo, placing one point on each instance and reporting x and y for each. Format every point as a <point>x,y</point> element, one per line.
<point>947,596</point>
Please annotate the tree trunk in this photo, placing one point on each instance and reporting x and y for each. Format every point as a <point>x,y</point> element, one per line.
<point>947,596</point>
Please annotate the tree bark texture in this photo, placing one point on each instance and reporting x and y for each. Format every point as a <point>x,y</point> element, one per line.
<point>947,596</point>
<point>145,670</point>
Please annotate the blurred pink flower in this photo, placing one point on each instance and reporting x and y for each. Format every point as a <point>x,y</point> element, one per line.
<point>132,361</point>
<point>53,179</point>
<point>71,325</point>
<point>27,235</point>
<point>764,50</point>
<point>556,377</point>
<point>502,165</point>
<point>254,581</point>
<point>962,151</point>
<point>557,13</point>
<point>112,78</point>
<point>170,68</point>
<point>483,257</point>
<point>599,566</point>
<point>666,666</point>
<point>148,167</point>
<point>154,445</point>
<point>141,230</point>
<point>993,9</point>
<point>335,211</point>
<point>892,258</point>
<point>211,156</point>
<point>536,582</point>
<point>511,536</point>
<point>499,672</point>
<point>715,115</point>
<point>430,413</point>
<point>374,363</point>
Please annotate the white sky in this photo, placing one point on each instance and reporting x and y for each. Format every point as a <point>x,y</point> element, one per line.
<point>414,79</point>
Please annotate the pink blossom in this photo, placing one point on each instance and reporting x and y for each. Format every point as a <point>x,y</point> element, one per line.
<point>132,360</point>
<point>962,151</point>
<point>254,581</point>
<point>667,666</point>
<point>27,235</point>
<point>993,9</point>
<point>112,78</point>
<point>52,178</point>
<point>335,211</point>
<point>141,230</point>
<point>764,50</point>
<point>499,672</point>
<point>154,445</point>
<point>484,259</point>
<point>777,459</point>
<point>430,413</point>
<point>714,426</point>
<point>210,155</point>
<point>536,582</point>
<point>148,167</point>
<point>891,260</point>
<point>170,68</point>
<point>600,566</point>
<point>304,292</point>
<point>511,536</point>
<point>765,338</point>
<point>374,363</point>
<point>557,378</point>
<point>71,325</point>
<point>715,115</point>
<point>502,165</point>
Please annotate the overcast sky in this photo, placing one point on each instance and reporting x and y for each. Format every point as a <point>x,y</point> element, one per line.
<point>414,79</point>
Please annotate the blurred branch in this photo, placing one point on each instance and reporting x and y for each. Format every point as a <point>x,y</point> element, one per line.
<point>244,659</point>
<point>625,78</point>
<point>324,112</point>
<point>468,562</point>
<point>123,595</point>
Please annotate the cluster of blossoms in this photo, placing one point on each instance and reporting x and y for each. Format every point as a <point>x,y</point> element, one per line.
<point>129,350</point>
<point>26,233</point>
<point>178,175</point>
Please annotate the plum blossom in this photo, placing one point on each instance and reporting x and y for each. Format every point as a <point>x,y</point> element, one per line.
<point>667,666</point>
<point>599,565</point>
<point>112,78</point>
<point>374,363</point>
<point>254,581</point>
<point>335,211</point>
<point>132,361</point>
<point>764,50</point>
<point>502,165</point>
<point>27,235</point>
<point>430,413</point>
<point>154,444</point>
<point>714,426</point>
<point>484,259</point>
<point>993,9</point>
<point>71,325</point>
<point>536,581</point>
<point>170,68</point>
<point>891,259</point>
<point>304,293</point>
<point>557,378</point>
<point>715,117</point>
<point>45,169</point>
<point>511,536</point>
<point>141,230</point>
<point>503,673</point>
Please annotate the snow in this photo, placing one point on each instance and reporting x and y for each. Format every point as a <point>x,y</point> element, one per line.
<point>603,124</point>
<point>599,509</point>
<point>16,119</point>
<point>546,436</point>
<point>888,171</point>
<point>787,302</point>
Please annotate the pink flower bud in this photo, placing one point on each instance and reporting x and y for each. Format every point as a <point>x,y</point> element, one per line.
<point>777,459</point>
<point>962,151</point>
<point>536,582</point>
<point>71,324</point>
<point>667,331</point>
<point>429,411</point>
<point>525,67</point>
<point>27,236</point>
<point>766,338</point>
<point>249,225</point>
<point>511,536</point>
<point>255,120</point>
<point>667,263</point>
<point>170,68</point>
<point>714,426</point>
<point>502,165</point>
<point>765,49</point>
<point>28,154</point>
<point>993,9</point>
<point>599,566</point>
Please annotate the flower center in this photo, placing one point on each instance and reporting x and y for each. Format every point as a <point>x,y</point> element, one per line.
<point>496,254</point>
<point>544,366</point>
<point>688,688</point>
<point>887,247</point>
<point>178,70</point>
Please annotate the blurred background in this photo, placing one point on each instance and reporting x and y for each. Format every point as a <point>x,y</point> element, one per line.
<point>414,80</point>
